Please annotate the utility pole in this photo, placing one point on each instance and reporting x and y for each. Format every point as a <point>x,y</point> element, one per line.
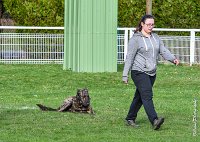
<point>149,7</point>
<point>1,8</point>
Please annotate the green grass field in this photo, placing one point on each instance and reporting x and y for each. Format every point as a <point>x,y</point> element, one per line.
<point>22,86</point>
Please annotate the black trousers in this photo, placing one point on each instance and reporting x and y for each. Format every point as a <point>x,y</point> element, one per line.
<point>143,96</point>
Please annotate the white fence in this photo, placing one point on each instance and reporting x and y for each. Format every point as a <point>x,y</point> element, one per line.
<point>45,48</point>
<point>31,48</point>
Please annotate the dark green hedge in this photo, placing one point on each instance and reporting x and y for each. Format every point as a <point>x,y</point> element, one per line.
<point>168,13</point>
<point>36,12</point>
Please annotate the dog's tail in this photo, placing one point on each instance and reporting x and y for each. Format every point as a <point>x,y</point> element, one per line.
<point>44,108</point>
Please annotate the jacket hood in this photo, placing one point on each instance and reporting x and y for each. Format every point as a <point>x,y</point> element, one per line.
<point>139,34</point>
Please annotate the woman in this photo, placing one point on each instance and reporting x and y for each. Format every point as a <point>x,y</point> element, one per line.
<point>143,50</point>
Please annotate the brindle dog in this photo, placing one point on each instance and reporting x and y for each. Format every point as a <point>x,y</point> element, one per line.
<point>78,103</point>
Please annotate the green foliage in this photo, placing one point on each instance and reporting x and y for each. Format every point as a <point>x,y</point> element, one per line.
<point>177,14</point>
<point>22,86</point>
<point>168,13</point>
<point>129,12</point>
<point>36,12</point>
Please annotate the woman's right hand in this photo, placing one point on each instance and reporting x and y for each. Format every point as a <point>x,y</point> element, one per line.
<point>126,82</point>
<point>125,79</point>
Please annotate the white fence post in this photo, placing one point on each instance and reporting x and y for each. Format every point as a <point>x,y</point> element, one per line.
<point>125,43</point>
<point>131,32</point>
<point>192,46</point>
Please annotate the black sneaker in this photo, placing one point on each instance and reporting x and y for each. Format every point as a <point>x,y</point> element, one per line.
<point>157,123</point>
<point>131,123</point>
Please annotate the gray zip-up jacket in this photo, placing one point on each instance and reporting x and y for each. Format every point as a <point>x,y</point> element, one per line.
<point>143,53</point>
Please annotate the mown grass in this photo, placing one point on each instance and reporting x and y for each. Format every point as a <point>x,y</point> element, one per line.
<point>22,86</point>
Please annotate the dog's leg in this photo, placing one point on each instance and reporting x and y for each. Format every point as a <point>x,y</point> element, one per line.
<point>90,110</point>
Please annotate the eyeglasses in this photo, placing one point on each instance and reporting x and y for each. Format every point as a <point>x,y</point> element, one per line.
<point>150,25</point>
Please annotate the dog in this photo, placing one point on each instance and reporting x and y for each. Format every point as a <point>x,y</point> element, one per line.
<point>79,103</point>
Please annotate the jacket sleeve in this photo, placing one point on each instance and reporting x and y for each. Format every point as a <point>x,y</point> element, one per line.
<point>131,52</point>
<point>165,53</point>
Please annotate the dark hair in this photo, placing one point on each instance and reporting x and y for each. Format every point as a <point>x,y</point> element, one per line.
<point>143,19</point>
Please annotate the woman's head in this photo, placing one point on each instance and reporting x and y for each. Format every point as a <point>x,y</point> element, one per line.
<point>146,23</point>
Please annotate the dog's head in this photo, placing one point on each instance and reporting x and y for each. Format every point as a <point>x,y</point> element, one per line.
<point>83,97</point>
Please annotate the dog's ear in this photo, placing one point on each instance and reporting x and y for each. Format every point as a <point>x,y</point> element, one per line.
<point>86,89</point>
<point>78,90</point>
